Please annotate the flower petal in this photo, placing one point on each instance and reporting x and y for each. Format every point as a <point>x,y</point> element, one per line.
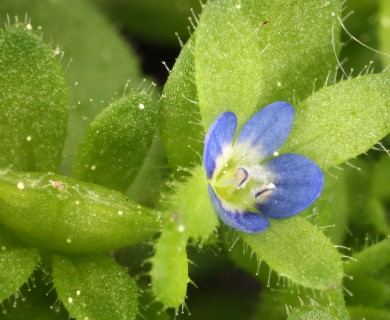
<point>243,221</point>
<point>219,136</point>
<point>298,182</point>
<point>267,130</point>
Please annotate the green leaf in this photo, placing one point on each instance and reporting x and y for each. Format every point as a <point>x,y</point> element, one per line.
<point>297,250</point>
<point>370,259</point>
<point>193,215</point>
<point>169,271</point>
<point>300,43</point>
<point>330,211</point>
<point>335,194</point>
<point>33,102</point>
<point>227,62</point>
<point>101,61</point>
<point>311,313</point>
<point>179,119</point>
<point>17,263</point>
<point>94,287</point>
<point>117,142</point>
<point>97,61</point>
<point>278,298</point>
<point>341,121</point>
<point>35,301</point>
<point>248,54</point>
<point>188,217</point>
<point>66,215</point>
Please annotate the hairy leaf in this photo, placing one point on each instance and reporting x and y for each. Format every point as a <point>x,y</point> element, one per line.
<point>169,271</point>
<point>251,53</point>
<point>299,251</point>
<point>300,43</point>
<point>17,263</point>
<point>97,61</point>
<point>227,62</point>
<point>311,313</point>
<point>94,287</point>
<point>179,119</point>
<point>342,121</point>
<point>33,102</point>
<point>188,217</point>
<point>194,216</point>
<point>117,142</point>
<point>66,215</point>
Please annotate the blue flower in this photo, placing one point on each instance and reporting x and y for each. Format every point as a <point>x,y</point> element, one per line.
<point>248,181</point>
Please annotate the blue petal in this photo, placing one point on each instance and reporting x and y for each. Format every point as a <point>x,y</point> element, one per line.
<point>298,182</point>
<point>268,128</point>
<point>243,221</point>
<point>219,136</point>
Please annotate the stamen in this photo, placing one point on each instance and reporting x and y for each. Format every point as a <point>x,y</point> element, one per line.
<point>264,190</point>
<point>242,177</point>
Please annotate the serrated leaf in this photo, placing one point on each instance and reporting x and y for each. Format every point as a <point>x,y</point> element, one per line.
<point>299,251</point>
<point>342,121</point>
<point>17,263</point>
<point>66,215</point>
<point>33,102</point>
<point>117,142</point>
<point>180,125</point>
<point>94,287</point>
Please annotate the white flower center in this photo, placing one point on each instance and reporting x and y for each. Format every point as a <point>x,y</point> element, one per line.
<point>241,187</point>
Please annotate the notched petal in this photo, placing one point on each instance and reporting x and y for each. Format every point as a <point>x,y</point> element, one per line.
<point>243,221</point>
<point>268,129</point>
<point>298,183</point>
